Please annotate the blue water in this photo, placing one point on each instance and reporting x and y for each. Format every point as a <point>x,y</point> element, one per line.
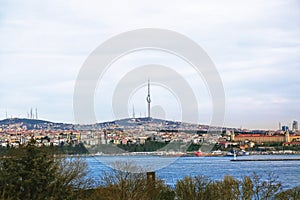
<point>216,168</point>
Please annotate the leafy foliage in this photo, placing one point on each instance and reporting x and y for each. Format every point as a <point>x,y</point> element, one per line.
<point>33,173</point>
<point>128,182</point>
<point>201,188</point>
<point>291,194</point>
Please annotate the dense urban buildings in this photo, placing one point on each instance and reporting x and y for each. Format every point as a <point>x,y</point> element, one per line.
<point>136,131</point>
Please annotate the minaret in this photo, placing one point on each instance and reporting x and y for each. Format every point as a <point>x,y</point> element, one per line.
<point>148,99</point>
<point>279,126</point>
<point>36,113</point>
<point>133,112</point>
<point>287,136</point>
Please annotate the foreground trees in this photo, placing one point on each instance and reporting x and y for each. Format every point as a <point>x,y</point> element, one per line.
<point>121,183</point>
<point>291,194</point>
<point>201,187</point>
<point>33,173</point>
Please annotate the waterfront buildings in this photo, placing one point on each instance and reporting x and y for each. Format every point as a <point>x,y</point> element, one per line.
<point>136,131</point>
<point>286,138</point>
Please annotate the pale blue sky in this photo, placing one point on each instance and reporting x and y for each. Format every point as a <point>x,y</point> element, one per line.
<point>255,46</point>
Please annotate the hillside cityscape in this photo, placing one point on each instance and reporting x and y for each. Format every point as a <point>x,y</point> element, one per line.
<point>15,132</point>
<point>147,135</point>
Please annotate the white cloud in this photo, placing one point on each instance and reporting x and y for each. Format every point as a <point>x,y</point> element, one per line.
<point>254,44</point>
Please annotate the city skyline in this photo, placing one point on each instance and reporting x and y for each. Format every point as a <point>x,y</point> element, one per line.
<point>254,45</point>
<point>293,125</point>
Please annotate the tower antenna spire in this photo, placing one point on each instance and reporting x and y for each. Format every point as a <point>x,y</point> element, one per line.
<point>148,99</point>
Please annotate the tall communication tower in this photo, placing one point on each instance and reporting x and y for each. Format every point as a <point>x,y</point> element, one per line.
<point>148,99</point>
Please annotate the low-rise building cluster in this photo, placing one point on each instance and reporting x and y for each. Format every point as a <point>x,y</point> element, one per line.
<point>249,140</point>
<point>18,134</point>
<point>137,132</point>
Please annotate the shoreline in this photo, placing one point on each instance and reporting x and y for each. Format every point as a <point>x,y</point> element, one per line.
<point>268,159</point>
<point>180,154</point>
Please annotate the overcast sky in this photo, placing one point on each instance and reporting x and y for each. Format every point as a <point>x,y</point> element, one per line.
<point>255,46</point>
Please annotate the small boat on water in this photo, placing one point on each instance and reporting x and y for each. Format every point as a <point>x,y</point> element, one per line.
<point>230,154</point>
<point>237,153</point>
<point>199,153</point>
<point>245,153</point>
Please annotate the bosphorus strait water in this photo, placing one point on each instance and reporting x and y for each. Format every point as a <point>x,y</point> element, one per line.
<point>216,168</point>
